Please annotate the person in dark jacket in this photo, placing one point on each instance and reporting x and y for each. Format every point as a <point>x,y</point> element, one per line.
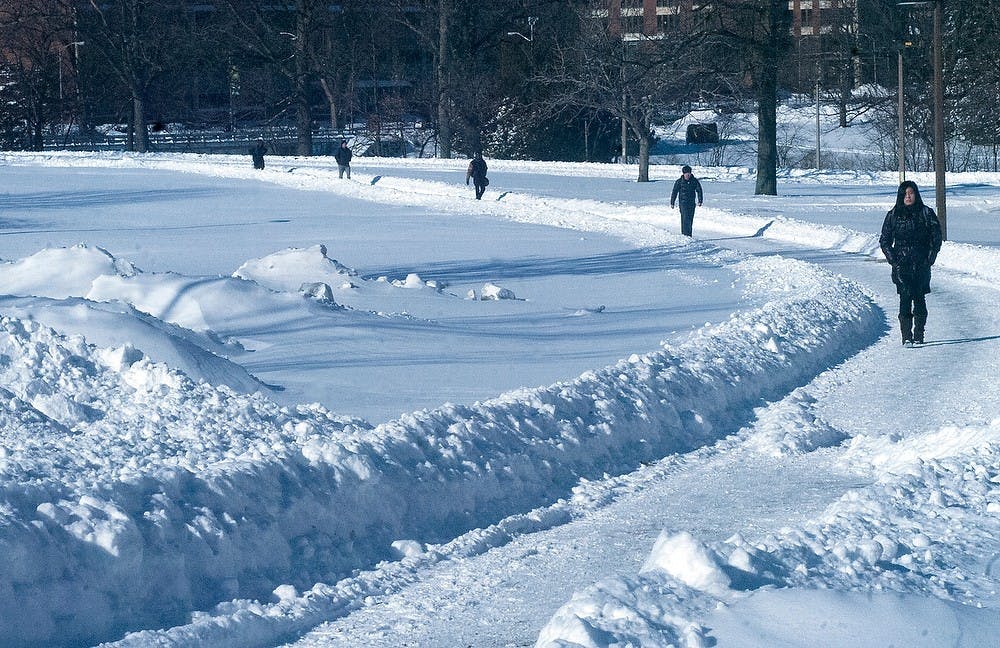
<point>343,157</point>
<point>257,152</point>
<point>477,171</point>
<point>686,190</point>
<point>910,241</point>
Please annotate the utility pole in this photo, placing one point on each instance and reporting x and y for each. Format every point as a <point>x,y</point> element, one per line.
<point>939,158</point>
<point>901,135</point>
<point>819,164</point>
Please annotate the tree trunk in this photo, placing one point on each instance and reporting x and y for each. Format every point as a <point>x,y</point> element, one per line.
<point>846,83</point>
<point>303,120</point>
<point>141,141</point>
<point>644,146</point>
<point>767,133</point>
<point>303,111</point>
<point>444,80</point>
<point>767,56</point>
<point>331,100</point>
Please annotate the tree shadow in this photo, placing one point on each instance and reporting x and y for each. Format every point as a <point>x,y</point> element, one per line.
<point>80,199</point>
<point>657,258</point>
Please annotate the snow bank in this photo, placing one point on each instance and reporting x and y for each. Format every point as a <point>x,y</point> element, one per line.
<point>976,260</point>
<point>132,495</point>
<point>907,547</point>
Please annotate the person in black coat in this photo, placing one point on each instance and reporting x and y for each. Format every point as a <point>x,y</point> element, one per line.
<point>477,171</point>
<point>686,190</point>
<point>343,157</point>
<point>257,152</point>
<point>910,241</point>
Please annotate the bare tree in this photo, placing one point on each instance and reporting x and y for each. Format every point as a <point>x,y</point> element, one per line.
<point>36,61</point>
<point>631,78</point>
<point>759,32</point>
<point>288,40</point>
<point>141,43</point>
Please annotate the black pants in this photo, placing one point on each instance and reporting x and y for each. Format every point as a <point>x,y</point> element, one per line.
<point>480,190</point>
<point>687,219</point>
<point>912,305</point>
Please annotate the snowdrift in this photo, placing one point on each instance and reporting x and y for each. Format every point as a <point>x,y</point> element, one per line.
<point>132,495</point>
<point>890,564</point>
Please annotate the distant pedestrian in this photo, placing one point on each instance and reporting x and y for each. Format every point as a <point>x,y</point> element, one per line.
<point>910,241</point>
<point>477,171</point>
<point>343,157</point>
<point>257,152</point>
<point>687,189</point>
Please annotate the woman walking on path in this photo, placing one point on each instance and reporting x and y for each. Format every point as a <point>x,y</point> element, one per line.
<point>911,240</point>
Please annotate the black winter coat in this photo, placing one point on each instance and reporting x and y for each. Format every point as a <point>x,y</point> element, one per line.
<point>477,171</point>
<point>343,156</point>
<point>257,152</point>
<point>686,191</point>
<point>911,240</point>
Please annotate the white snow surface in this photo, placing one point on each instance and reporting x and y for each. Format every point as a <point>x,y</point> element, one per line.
<point>202,367</point>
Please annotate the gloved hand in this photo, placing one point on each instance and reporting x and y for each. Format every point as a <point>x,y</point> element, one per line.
<point>466,182</point>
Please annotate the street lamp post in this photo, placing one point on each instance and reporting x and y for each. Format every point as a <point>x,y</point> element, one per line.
<point>62,48</point>
<point>819,164</point>
<point>939,155</point>
<point>901,136</point>
<point>939,159</point>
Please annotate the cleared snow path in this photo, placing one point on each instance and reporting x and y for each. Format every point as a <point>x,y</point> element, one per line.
<point>500,598</point>
<point>503,597</point>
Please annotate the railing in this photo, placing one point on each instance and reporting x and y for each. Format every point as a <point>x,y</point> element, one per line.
<point>280,141</point>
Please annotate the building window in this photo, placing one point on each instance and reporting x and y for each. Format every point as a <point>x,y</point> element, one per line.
<point>632,24</point>
<point>667,23</point>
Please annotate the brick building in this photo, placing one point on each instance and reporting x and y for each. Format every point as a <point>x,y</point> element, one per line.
<point>821,30</point>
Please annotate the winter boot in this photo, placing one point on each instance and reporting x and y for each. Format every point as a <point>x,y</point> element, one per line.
<point>905,324</point>
<point>918,328</point>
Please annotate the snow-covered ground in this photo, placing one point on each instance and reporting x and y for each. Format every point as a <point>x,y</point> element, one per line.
<point>251,408</point>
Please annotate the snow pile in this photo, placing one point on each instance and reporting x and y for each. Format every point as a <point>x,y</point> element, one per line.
<point>683,558</point>
<point>287,270</point>
<point>61,272</point>
<point>139,495</point>
<point>792,426</point>
<point>312,272</point>
<point>72,294</point>
<point>922,532</point>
